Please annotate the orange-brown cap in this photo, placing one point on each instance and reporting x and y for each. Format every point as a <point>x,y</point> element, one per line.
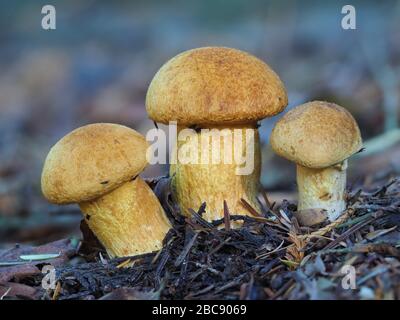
<point>316,134</point>
<point>215,85</point>
<point>91,161</point>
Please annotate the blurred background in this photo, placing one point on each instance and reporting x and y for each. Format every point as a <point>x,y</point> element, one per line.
<point>97,64</point>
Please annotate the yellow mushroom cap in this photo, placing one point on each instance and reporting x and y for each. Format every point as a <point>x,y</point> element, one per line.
<point>214,85</point>
<point>91,161</point>
<point>316,134</point>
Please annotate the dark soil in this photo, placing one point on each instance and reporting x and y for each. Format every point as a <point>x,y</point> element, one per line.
<point>269,257</point>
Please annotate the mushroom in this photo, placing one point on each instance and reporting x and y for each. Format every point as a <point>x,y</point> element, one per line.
<point>319,137</point>
<point>221,89</point>
<point>96,166</point>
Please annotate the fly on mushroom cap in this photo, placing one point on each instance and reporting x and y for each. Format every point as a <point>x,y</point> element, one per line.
<point>215,85</point>
<point>319,137</point>
<point>215,88</point>
<point>96,166</point>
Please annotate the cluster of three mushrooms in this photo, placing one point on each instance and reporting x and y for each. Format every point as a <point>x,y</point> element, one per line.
<point>207,88</point>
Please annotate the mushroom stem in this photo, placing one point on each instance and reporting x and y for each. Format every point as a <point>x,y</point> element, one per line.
<point>213,181</point>
<point>128,220</point>
<point>322,189</point>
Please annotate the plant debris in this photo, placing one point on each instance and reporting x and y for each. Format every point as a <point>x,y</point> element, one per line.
<point>272,256</point>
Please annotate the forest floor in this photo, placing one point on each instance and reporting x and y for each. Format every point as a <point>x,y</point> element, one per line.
<point>270,257</point>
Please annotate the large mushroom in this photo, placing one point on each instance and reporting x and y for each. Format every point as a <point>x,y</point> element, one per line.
<point>221,89</point>
<point>96,166</point>
<point>319,137</point>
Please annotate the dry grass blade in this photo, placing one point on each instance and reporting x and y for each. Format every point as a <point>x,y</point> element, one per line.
<point>278,248</point>
<point>5,293</point>
<point>347,233</point>
<point>186,250</point>
<point>227,220</point>
<point>199,219</point>
<point>250,208</point>
<point>57,291</point>
<point>265,197</point>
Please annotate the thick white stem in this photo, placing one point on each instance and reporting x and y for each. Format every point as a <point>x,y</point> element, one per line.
<point>322,189</point>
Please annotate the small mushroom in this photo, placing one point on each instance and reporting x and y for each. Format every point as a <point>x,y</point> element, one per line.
<point>93,166</point>
<point>215,88</point>
<point>319,137</point>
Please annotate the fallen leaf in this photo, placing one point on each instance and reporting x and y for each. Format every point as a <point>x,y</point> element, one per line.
<point>378,233</point>
<point>35,257</point>
<point>12,258</point>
